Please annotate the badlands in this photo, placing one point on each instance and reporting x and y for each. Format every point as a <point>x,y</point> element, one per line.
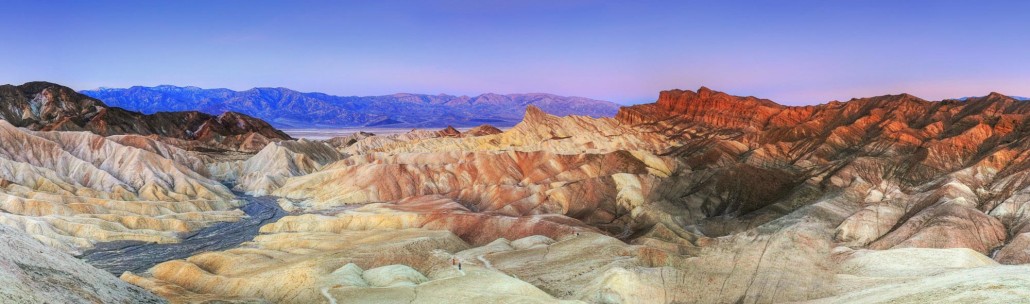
<point>701,197</point>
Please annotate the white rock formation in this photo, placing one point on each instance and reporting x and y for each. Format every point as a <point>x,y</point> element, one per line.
<point>73,189</point>
<point>33,273</point>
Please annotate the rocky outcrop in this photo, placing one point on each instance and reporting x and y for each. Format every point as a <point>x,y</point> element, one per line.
<point>539,131</point>
<point>913,173</point>
<point>449,131</point>
<point>193,160</point>
<point>267,170</point>
<point>711,108</point>
<point>341,142</point>
<point>50,107</point>
<point>34,273</point>
<point>483,130</point>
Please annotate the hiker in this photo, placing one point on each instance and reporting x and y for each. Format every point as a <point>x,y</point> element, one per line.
<point>459,265</point>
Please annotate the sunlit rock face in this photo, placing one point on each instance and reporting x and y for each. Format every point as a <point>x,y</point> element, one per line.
<point>910,172</point>
<point>73,189</point>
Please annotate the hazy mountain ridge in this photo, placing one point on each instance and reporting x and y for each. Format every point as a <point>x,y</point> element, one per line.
<point>45,106</point>
<point>288,108</point>
<point>973,97</point>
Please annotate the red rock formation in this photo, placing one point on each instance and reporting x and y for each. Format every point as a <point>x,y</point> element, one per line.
<point>945,171</point>
<point>483,130</point>
<point>450,131</point>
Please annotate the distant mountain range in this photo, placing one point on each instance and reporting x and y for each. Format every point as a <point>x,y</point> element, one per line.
<point>973,97</point>
<point>45,106</point>
<point>287,108</point>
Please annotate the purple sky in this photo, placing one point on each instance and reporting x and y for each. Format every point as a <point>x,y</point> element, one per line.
<point>794,52</point>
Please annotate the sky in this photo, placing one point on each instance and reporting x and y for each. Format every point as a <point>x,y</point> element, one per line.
<point>793,52</point>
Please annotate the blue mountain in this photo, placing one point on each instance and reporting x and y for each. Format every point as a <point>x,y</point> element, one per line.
<point>287,108</point>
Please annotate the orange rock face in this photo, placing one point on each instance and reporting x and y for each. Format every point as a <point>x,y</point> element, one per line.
<point>922,174</point>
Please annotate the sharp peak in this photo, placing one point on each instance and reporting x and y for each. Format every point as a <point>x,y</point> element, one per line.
<point>899,96</point>
<point>903,95</point>
<point>41,83</point>
<point>270,89</point>
<point>491,94</point>
<point>989,96</point>
<point>534,112</point>
<point>233,115</point>
<point>996,94</point>
<point>40,86</point>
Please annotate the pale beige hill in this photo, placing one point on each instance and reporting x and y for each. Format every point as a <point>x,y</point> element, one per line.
<point>151,176</point>
<point>33,273</point>
<point>268,170</point>
<point>399,253</point>
<point>365,143</point>
<point>925,275</point>
<point>314,258</point>
<point>538,131</point>
<point>191,159</point>
<point>429,212</point>
<point>383,266</point>
<point>73,189</point>
<point>608,190</point>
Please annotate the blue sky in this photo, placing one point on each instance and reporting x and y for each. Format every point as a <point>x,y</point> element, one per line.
<point>794,52</point>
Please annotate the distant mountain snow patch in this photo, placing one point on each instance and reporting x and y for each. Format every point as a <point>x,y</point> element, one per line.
<point>288,108</point>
